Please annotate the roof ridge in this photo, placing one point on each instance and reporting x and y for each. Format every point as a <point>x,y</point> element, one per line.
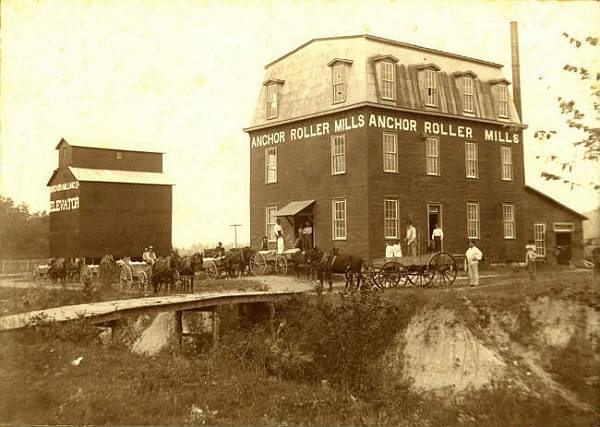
<point>389,41</point>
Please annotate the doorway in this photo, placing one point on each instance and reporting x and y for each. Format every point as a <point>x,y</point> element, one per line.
<point>563,248</point>
<point>434,216</point>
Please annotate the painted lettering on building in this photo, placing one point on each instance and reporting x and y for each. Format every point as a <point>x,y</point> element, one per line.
<point>501,136</point>
<point>68,204</point>
<point>64,186</point>
<point>380,121</point>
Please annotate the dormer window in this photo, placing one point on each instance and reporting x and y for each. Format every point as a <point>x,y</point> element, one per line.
<point>428,79</point>
<point>467,93</point>
<point>500,93</point>
<point>465,81</point>
<point>386,70</point>
<point>502,100</point>
<point>272,100</point>
<point>338,78</point>
<point>273,97</point>
<point>339,87</point>
<point>431,88</point>
<point>388,80</point>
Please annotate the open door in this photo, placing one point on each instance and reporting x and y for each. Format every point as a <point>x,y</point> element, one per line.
<point>434,216</point>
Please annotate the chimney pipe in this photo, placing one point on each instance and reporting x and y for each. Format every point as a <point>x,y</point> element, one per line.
<point>516,67</point>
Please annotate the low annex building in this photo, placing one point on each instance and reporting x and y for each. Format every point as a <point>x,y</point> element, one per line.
<point>359,134</point>
<point>108,200</point>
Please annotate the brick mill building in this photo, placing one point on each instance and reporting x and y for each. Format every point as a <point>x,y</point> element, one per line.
<point>107,199</point>
<point>359,134</point>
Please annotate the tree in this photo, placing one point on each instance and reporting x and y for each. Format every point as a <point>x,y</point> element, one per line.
<point>587,145</point>
<point>23,234</point>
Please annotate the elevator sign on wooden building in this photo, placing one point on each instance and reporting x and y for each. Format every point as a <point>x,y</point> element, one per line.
<point>108,200</point>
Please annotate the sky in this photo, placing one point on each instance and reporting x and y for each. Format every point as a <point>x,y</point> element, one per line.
<point>185,76</point>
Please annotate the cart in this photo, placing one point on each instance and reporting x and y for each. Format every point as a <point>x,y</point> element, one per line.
<point>133,274</point>
<point>435,270</point>
<point>215,267</point>
<point>264,262</point>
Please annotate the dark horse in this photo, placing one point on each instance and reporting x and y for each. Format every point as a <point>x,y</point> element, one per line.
<point>57,270</point>
<point>165,270</point>
<point>333,262</point>
<point>188,266</point>
<point>237,261</point>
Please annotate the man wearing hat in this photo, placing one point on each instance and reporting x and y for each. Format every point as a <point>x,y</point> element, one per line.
<point>150,255</point>
<point>473,256</point>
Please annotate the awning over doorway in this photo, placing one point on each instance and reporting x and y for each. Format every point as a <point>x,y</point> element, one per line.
<point>293,208</point>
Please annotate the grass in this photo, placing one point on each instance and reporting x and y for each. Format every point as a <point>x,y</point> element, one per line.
<point>319,370</point>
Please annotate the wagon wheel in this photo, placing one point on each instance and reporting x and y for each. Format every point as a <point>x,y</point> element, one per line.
<point>281,265</point>
<point>417,275</point>
<point>212,270</point>
<point>258,264</point>
<point>143,279</point>
<point>392,273</point>
<point>125,278</point>
<point>442,269</point>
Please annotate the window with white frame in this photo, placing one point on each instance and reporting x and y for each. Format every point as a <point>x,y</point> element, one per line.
<point>471,160</point>
<point>270,212</point>
<point>473,220</point>
<point>467,93</point>
<point>390,152</point>
<point>506,162</point>
<point>539,237</point>
<point>388,80</point>
<point>271,100</point>
<point>390,218</point>
<point>338,209</point>
<point>508,218</point>
<point>270,165</point>
<point>339,86</point>
<point>431,88</point>
<point>338,154</point>
<point>501,97</point>
<point>432,151</point>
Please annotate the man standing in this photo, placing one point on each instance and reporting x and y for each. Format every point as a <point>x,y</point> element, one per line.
<point>307,236</point>
<point>473,256</point>
<point>530,256</point>
<point>279,236</point>
<point>437,236</point>
<point>411,239</point>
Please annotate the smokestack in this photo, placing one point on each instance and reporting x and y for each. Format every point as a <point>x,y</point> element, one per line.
<point>516,67</point>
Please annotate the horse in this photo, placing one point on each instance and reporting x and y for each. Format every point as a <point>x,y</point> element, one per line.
<point>308,261</point>
<point>73,269</point>
<point>237,261</point>
<point>165,270</point>
<point>332,262</point>
<point>57,270</point>
<point>188,267</point>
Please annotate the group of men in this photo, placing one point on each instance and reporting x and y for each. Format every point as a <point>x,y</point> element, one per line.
<point>305,238</point>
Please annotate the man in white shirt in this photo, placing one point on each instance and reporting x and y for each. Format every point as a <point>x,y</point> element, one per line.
<point>437,236</point>
<point>473,256</point>
<point>307,236</point>
<point>279,235</point>
<point>411,239</point>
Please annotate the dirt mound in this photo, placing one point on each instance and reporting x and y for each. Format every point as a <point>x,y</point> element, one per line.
<point>441,352</point>
<point>157,336</point>
<point>560,320</point>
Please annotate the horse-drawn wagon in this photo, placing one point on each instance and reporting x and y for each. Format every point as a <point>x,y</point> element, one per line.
<point>436,270</point>
<point>132,273</point>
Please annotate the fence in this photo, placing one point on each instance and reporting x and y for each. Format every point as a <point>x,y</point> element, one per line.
<point>19,266</point>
